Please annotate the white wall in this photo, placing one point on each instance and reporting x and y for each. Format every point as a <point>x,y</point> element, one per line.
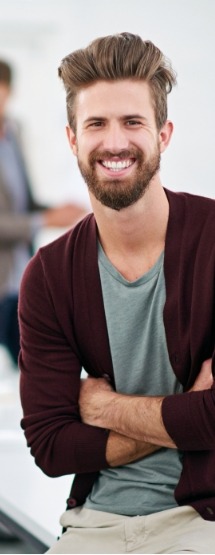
<point>36,34</point>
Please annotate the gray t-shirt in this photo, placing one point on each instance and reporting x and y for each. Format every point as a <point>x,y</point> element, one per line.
<point>134,314</point>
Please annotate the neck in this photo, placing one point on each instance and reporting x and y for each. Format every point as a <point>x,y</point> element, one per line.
<point>133,238</point>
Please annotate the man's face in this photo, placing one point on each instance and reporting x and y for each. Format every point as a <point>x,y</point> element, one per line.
<point>116,142</point>
<point>4,96</point>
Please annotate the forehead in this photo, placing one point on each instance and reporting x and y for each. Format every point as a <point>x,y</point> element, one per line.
<point>117,98</point>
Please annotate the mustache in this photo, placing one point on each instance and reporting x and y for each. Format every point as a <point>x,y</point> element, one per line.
<point>97,156</point>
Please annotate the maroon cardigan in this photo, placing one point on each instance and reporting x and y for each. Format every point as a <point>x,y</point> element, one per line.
<point>63,329</point>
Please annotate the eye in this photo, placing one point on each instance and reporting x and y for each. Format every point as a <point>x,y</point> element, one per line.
<point>98,123</point>
<point>133,123</point>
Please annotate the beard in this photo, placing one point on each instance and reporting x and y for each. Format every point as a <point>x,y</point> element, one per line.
<point>120,193</point>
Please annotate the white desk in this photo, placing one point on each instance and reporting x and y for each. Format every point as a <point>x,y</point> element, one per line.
<point>30,502</point>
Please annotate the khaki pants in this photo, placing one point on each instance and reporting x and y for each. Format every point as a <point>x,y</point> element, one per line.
<point>177,530</point>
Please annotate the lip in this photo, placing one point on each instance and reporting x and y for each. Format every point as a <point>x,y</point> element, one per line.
<point>115,174</point>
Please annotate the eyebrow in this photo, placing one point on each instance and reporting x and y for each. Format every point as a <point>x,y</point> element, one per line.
<point>94,118</point>
<point>134,116</point>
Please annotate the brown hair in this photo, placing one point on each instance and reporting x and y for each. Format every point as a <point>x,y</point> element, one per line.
<point>5,73</point>
<point>121,56</point>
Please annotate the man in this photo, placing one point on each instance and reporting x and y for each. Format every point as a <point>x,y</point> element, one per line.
<point>129,296</point>
<point>20,218</point>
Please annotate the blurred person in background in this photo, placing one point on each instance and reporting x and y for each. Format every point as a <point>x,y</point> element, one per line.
<point>20,218</point>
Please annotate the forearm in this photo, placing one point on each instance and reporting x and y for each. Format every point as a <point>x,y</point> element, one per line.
<point>122,450</point>
<point>132,416</point>
<point>185,421</point>
<point>136,417</point>
<point>15,228</point>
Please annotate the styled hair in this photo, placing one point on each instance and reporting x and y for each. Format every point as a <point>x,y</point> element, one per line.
<point>117,57</point>
<point>5,73</point>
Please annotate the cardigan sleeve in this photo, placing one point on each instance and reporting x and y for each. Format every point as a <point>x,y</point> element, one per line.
<point>189,316</point>
<point>189,419</point>
<point>50,380</point>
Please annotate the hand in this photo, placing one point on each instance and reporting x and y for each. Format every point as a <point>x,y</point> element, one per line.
<point>205,378</point>
<point>94,394</point>
<point>64,216</point>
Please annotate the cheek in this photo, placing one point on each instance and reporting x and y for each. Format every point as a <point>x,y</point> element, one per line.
<point>85,147</point>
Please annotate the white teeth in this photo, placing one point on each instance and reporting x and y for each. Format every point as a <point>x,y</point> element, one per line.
<point>119,165</point>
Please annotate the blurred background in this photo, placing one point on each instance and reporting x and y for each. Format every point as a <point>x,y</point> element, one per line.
<point>34,36</point>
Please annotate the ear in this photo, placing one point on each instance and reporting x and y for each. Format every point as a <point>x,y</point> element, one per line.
<point>72,139</point>
<point>165,135</point>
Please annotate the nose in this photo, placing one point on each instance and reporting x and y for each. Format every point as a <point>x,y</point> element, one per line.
<point>115,138</point>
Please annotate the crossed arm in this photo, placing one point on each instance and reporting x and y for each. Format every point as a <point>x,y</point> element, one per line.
<point>135,422</point>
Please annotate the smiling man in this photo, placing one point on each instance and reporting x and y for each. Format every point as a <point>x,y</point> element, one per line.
<point>118,173</point>
<point>128,295</point>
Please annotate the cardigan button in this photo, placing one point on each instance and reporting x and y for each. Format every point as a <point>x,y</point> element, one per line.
<point>106,377</point>
<point>210,510</point>
<point>71,502</point>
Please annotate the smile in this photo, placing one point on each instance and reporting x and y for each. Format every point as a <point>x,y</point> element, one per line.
<point>118,165</point>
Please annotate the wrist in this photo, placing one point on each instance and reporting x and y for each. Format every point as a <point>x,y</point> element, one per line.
<point>107,406</point>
